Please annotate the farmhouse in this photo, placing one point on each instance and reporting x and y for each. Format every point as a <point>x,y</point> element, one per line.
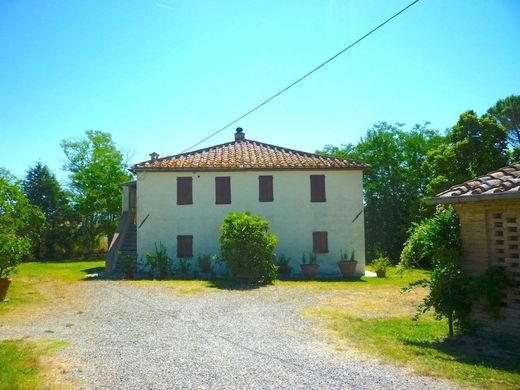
<point>489,211</point>
<point>314,203</point>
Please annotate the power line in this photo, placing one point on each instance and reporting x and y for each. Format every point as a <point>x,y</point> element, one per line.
<point>304,76</point>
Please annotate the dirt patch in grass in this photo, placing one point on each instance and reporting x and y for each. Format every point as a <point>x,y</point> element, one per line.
<point>31,364</point>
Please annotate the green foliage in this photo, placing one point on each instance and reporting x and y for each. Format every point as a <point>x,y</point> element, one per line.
<point>507,113</point>
<point>438,236</point>
<point>247,246</point>
<point>183,266</point>
<point>393,185</point>
<point>43,190</point>
<point>284,268</point>
<point>381,263</point>
<point>490,288</point>
<point>158,263</point>
<point>450,295</point>
<point>18,219</point>
<point>96,170</point>
<point>473,147</point>
<point>128,265</point>
<point>313,259</point>
<point>204,262</point>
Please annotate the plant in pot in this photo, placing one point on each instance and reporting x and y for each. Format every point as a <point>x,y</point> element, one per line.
<point>128,266</point>
<point>183,268</point>
<point>381,264</point>
<point>205,267</point>
<point>347,265</point>
<point>311,267</point>
<point>158,262</point>
<point>12,248</point>
<point>284,269</point>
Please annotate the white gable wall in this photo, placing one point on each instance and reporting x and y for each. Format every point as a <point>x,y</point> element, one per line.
<point>293,217</point>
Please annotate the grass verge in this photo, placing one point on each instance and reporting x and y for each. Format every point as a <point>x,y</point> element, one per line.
<point>25,364</point>
<point>377,322</point>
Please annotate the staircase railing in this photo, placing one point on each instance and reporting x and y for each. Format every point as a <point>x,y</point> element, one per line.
<point>117,242</point>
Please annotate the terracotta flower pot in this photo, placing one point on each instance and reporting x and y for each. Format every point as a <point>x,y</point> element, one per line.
<point>347,268</point>
<point>4,286</point>
<point>310,270</point>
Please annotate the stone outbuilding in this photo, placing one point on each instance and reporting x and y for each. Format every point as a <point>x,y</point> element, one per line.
<point>489,211</point>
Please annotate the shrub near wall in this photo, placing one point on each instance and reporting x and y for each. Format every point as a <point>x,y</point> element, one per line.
<point>247,247</point>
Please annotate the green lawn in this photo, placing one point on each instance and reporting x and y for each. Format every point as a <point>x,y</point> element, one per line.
<point>26,365</point>
<point>376,322</point>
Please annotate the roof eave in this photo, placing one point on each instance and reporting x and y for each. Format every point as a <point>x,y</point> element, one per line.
<point>241,169</point>
<point>473,198</point>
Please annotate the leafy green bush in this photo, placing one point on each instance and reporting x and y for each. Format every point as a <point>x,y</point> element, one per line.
<point>128,266</point>
<point>205,264</point>
<point>183,266</point>
<point>438,236</point>
<point>247,247</point>
<point>159,262</point>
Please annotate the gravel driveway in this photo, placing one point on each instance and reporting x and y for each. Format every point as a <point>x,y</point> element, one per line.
<point>150,338</point>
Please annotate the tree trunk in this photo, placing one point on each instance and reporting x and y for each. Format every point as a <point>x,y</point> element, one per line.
<point>450,325</point>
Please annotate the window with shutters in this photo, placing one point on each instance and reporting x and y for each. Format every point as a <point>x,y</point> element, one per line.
<point>317,188</point>
<point>265,188</point>
<point>184,246</point>
<point>184,190</point>
<point>223,190</point>
<point>320,242</point>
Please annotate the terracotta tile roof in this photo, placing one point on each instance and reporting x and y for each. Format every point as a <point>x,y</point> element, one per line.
<point>503,181</point>
<point>247,154</point>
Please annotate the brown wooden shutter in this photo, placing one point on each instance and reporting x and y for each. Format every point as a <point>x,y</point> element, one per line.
<point>320,242</point>
<point>184,246</point>
<point>317,188</point>
<point>184,190</point>
<point>223,190</point>
<point>265,188</point>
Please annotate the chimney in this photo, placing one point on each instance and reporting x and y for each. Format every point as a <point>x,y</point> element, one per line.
<point>154,156</point>
<point>239,135</point>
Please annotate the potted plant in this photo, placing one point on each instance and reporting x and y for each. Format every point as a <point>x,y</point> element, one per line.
<point>183,269</point>
<point>310,268</point>
<point>158,263</point>
<point>347,265</point>
<point>205,268</point>
<point>128,265</point>
<point>12,248</point>
<point>380,265</point>
<point>284,269</point>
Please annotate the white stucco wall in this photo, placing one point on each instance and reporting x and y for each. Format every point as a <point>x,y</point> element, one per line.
<point>293,217</point>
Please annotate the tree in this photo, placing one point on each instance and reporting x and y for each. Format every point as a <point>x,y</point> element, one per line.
<point>394,184</point>
<point>17,221</point>
<point>507,113</point>
<point>473,147</point>
<point>450,294</point>
<point>247,247</point>
<point>43,190</point>
<point>97,169</point>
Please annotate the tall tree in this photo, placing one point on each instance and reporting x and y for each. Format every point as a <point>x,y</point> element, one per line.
<point>19,221</point>
<point>507,113</point>
<point>473,147</point>
<point>97,168</point>
<point>393,185</point>
<point>43,190</point>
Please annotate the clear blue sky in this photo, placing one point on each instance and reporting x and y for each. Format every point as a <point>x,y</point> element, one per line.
<point>161,75</point>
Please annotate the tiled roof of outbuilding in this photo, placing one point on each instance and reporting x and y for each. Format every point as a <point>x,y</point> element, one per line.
<point>504,181</point>
<point>247,154</point>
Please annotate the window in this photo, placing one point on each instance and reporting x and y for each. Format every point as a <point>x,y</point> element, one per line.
<point>223,190</point>
<point>184,246</point>
<point>184,190</point>
<point>265,188</point>
<point>317,188</point>
<point>320,242</point>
